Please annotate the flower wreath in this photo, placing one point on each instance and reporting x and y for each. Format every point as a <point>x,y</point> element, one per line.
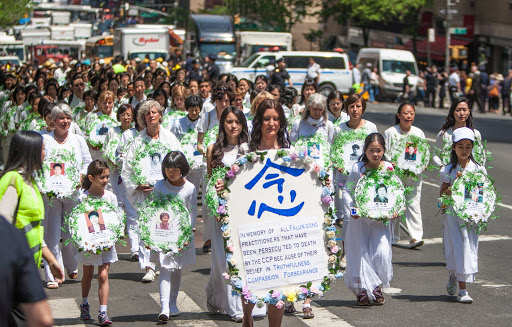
<point>398,148</point>
<point>110,150</point>
<point>40,123</point>
<point>149,209</point>
<point>337,148</point>
<point>302,145</point>
<point>210,136</point>
<point>370,179</point>
<point>72,173</point>
<point>145,150</point>
<point>480,152</point>
<point>7,119</point>
<point>169,119</point>
<point>457,206</point>
<point>304,291</point>
<point>90,129</point>
<point>190,138</point>
<point>87,204</point>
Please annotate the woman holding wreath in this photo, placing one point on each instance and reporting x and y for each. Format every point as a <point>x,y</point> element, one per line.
<point>149,116</point>
<point>105,108</point>
<point>61,140</point>
<point>231,144</point>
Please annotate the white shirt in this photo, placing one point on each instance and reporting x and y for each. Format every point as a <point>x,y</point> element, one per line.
<point>181,126</point>
<point>74,143</point>
<point>313,71</point>
<point>394,132</point>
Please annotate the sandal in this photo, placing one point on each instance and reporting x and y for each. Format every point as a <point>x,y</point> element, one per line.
<point>73,275</point>
<point>207,248</point>
<point>289,308</point>
<point>308,313</point>
<point>52,285</point>
<point>362,299</point>
<point>379,298</point>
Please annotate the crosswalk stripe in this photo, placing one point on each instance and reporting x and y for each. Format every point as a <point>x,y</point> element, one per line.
<point>63,309</point>
<point>323,317</point>
<point>192,315</point>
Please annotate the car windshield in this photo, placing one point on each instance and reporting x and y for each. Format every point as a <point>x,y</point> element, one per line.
<point>150,55</point>
<point>247,62</point>
<point>225,51</point>
<point>11,62</point>
<point>105,51</point>
<point>398,67</point>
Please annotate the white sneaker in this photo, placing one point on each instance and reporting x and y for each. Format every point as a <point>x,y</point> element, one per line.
<point>164,316</point>
<point>451,287</point>
<point>343,261</point>
<point>237,318</point>
<point>149,276</point>
<point>174,311</point>
<point>464,298</point>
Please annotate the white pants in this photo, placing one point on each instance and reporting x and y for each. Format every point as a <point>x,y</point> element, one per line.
<point>57,210</point>
<point>170,280</point>
<point>413,219</point>
<point>132,219</point>
<point>207,216</point>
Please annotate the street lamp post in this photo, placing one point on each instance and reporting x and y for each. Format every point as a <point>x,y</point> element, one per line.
<point>447,50</point>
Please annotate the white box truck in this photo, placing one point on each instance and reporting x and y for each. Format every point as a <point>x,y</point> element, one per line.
<point>64,33</point>
<point>61,17</point>
<point>252,42</point>
<point>82,30</point>
<point>141,43</point>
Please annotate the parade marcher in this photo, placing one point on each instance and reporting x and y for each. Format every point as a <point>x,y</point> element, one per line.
<point>459,115</point>
<point>367,242</point>
<point>205,86</point>
<point>61,72</point>
<point>138,95</point>
<point>460,243</point>
<point>245,86</point>
<point>150,117</point>
<point>175,169</point>
<point>193,86</point>
<point>404,120</point>
<point>313,70</point>
<point>93,185</point>
<point>280,74</point>
<point>78,88</point>
<point>309,87</point>
<point>105,108</point>
<point>260,83</point>
<point>56,141</point>
<point>337,114</point>
<point>231,143</point>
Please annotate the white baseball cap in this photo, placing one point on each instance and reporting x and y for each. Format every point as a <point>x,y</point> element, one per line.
<point>463,133</point>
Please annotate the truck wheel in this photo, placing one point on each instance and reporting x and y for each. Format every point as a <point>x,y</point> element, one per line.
<point>326,89</point>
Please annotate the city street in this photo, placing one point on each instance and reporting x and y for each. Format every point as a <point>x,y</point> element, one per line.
<point>418,294</point>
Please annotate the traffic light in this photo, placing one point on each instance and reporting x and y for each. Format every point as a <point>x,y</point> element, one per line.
<point>237,19</point>
<point>458,52</point>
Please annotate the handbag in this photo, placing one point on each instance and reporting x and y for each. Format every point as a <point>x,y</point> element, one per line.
<point>493,92</point>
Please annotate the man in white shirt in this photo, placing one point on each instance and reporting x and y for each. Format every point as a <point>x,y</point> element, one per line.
<point>205,87</point>
<point>313,70</point>
<point>356,74</point>
<point>139,87</point>
<point>60,73</point>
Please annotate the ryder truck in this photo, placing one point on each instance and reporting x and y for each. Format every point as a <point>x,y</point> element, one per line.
<point>141,43</point>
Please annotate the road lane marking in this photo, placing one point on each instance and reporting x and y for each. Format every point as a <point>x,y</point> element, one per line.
<point>486,283</point>
<point>430,139</point>
<point>191,315</point>
<point>503,205</point>
<point>392,290</point>
<point>323,317</point>
<point>63,309</point>
<point>481,238</point>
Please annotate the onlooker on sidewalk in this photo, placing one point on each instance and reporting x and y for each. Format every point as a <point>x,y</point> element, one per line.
<point>494,92</point>
<point>420,88</point>
<point>484,83</point>
<point>375,81</point>
<point>474,92</point>
<point>366,79</point>
<point>313,70</point>
<point>506,86</point>
<point>432,83</point>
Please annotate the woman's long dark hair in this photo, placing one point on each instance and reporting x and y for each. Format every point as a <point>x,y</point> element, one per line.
<point>283,139</point>
<point>400,108</point>
<point>307,82</point>
<point>222,140</point>
<point>97,167</point>
<point>450,119</point>
<point>373,137</point>
<point>25,153</point>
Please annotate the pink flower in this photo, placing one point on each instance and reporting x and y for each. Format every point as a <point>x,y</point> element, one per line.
<point>390,168</point>
<point>314,289</point>
<point>230,249</point>
<point>276,295</point>
<point>316,168</point>
<point>335,249</point>
<point>225,275</point>
<point>235,168</point>
<point>221,209</point>
<point>326,199</point>
<point>280,304</point>
<point>230,174</point>
<point>304,290</point>
<point>294,156</point>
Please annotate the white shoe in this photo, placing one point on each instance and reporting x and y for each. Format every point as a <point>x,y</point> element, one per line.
<point>451,287</point>
<point>174,311</point>
<point>149,276</point>
<point>415,243</point>
<point>464,298</point>
<point>343,261</point>
<point>164,316</point>
<point>237,318</point>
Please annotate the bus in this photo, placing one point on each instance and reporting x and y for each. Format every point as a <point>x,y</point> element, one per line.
<point>57,50</point>
<point>10,47</point>
<point>101,47</point>
<point>212,34</point>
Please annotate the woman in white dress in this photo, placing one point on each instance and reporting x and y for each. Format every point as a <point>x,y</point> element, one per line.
<point>150,117</point>
<point>413,220</point>
<point>231,143</point>
<point>106,108</point>
<point>61,139</point>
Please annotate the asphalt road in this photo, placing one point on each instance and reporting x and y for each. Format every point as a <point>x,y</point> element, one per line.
<point>417,296</point>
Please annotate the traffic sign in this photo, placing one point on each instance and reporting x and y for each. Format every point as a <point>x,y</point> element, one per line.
<point>458,30</point>
<point>442,11</point>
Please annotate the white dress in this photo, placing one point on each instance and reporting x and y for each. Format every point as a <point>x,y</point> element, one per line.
<point>104,256</point>
<point>413,217</point>
<point>460,244</point>
<point>444,137</point>
<point>219,297</point>
<point>367,244</point>
<point>188,194</point>
<point>339,179</point>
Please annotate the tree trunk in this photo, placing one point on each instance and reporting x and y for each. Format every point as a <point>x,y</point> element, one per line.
<point>366,34</point>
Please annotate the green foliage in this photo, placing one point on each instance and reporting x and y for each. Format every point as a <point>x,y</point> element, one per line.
<point>12,11</point>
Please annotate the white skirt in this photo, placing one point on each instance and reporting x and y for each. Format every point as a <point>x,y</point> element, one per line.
<point>97,259</point>
<point>460,249</point>
<point>368,253</point>
<point>175,261</point>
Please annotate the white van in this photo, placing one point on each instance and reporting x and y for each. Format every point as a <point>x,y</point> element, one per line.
<point>392,65</point>
<point>335,71</point>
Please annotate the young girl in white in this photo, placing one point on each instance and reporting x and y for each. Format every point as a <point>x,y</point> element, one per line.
<point>93,185</point>
<point>460,244</point>
<point>404,120</point>
<point>367,241</point>
<point>174,169</point>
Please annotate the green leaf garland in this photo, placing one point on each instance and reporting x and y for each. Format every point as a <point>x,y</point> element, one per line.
<point>59,156</point>
<point>337,148</point>
<point>321,139</point>
<point>210,136</point>
<point>397,151</point>
<point>90,129</point>
<point>147,149</point>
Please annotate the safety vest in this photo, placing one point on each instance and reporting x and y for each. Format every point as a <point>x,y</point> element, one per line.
<point>30,211</point>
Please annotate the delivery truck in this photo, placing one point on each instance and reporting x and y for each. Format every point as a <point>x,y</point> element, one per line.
<point>132,43</point>
<point>249,42</point>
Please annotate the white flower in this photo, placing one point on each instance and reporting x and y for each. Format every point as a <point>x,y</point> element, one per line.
<point>224,194</point>
<point>330,234</point>
<point>331,243</point>
<point>327,221</point>
<point>332,258</point>
<point>226,234</point>
<point>225,220</point>
<point>232,261</point>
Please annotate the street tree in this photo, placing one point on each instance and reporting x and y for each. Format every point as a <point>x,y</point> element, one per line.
<point>367,13</point>
<point>12,11</point>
